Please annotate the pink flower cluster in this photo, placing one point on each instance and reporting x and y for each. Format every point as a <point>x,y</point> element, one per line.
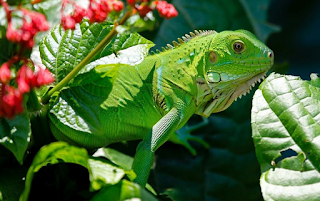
<point>11,97</point>
<point>97,12</point>
<point>164,8</point>
<point>99,9</point>
<point>32,23</point>
<point>15,83</point>
<point>10,101</point>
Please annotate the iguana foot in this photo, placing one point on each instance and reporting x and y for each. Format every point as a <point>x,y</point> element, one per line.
<point>183,136</point>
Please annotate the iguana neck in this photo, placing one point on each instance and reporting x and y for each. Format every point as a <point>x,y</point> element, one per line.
<point>177,69</point>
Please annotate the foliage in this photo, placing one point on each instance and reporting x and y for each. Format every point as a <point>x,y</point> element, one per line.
<point>286,129</point>
<point>285,119</point>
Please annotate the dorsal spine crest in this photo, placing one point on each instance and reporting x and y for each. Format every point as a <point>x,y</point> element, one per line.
<point>186,38</point>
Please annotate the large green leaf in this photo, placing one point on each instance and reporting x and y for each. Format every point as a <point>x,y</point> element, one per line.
<point>116,157</point>
<point>286,133</point>
<point>77,109</point>
<point>103,175</point>
<point>53,154</point>
<point>62,50</point>
<point>15,135</point>
<point>124,191</point>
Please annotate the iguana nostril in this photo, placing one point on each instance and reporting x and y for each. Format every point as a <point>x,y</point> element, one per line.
<point>270,55</point>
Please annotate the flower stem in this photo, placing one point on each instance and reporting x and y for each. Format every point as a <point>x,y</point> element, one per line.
<point>87,59</point>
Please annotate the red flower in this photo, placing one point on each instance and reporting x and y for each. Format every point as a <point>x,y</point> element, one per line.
<point>79,13</point>
<point>143,10</point>
<point>38,21</point>
<point>5,74</point>
<point>104,6</point>
<point>98,12</point>
<point>131,2</point>
<point>10,101</point>
<point>33,22</point>
<point>13,35</point>
<point>67,22</point>
<point>117,5</point>
<point>24,78</point>
<point>11,98</point>
<point>42,77</point>
<point>166,9</point>
<point>27,80</point>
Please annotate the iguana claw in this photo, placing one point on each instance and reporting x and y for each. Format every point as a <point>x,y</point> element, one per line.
<point>183,136</point>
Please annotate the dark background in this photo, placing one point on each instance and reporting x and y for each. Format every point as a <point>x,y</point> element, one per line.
<point>298,42</point>
<point>229,170</point>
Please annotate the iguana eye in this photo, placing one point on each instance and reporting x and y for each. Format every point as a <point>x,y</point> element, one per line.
<point>238,47</point>
<point>213,57</point>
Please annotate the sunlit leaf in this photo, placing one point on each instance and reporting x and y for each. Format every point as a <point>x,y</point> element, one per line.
<point>286,132</point>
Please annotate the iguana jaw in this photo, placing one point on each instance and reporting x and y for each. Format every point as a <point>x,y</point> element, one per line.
<point>244,88</point>
<point>213,100</point>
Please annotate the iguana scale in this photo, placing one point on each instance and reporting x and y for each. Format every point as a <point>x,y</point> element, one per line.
<point>201,74</point>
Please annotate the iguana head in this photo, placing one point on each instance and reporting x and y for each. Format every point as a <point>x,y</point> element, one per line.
<point>234,62</point>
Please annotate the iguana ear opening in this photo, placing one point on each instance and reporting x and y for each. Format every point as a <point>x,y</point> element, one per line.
<point>213,57</point>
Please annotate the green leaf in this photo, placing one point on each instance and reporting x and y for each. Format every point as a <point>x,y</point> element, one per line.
<point>61,50</point>
<point>103,173</point>
<point>78,109</point>
<point>286,129</point>
<point>124,190</point>
<point>122,160</point>
<point>15,135</point>
<point>138,24</point>
<point>54,153</point>
<point>116,157</point>
<point>129,49</point>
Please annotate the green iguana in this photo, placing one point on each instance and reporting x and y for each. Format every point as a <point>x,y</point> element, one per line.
<point>201,74</point>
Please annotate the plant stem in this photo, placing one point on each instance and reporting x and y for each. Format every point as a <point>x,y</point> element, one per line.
<point>87,59</point>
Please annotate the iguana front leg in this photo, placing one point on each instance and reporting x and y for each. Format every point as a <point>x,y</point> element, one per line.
<point>158,135</point>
